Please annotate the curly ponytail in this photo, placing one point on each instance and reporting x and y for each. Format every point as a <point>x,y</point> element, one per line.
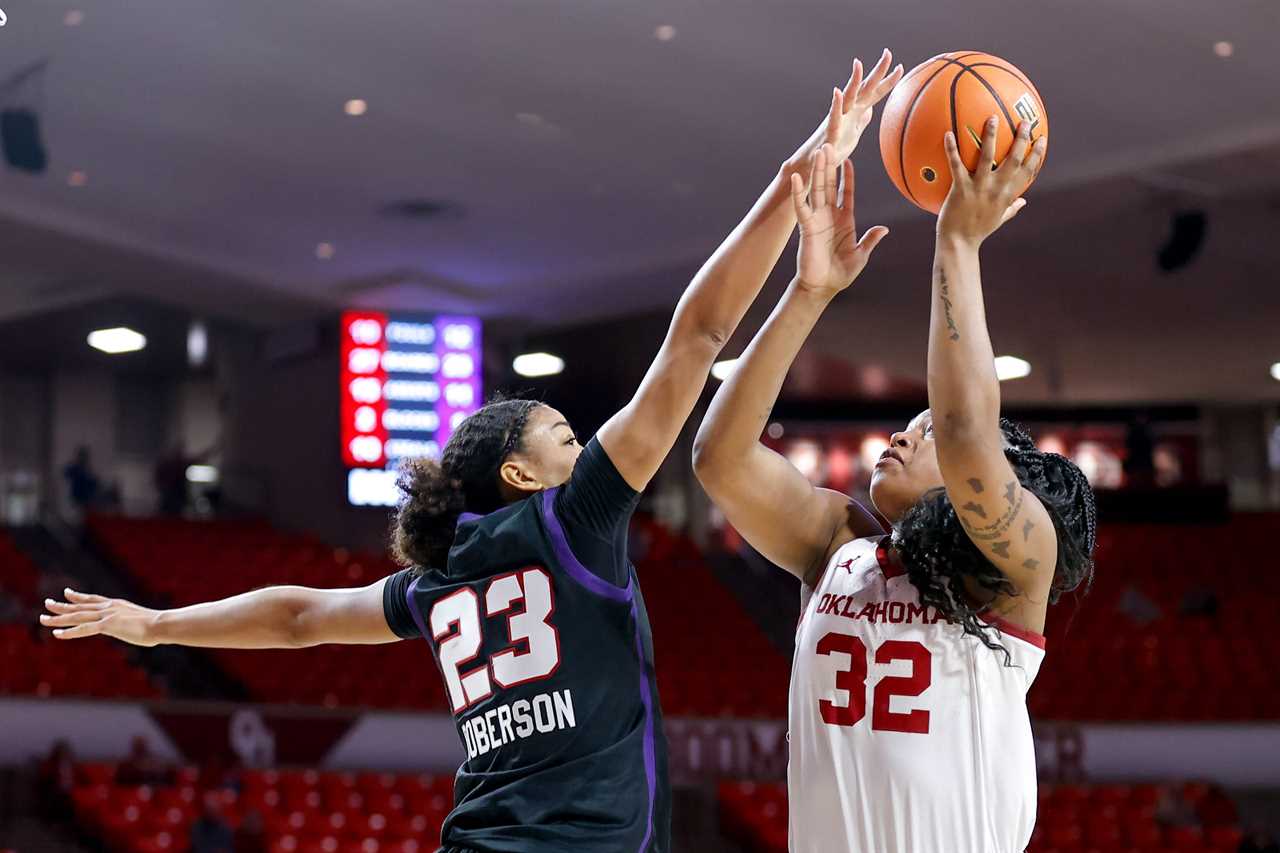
<point>434,494</point>
<point>939,556</point>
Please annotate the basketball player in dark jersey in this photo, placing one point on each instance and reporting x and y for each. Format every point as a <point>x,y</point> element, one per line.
<point>516,574</point>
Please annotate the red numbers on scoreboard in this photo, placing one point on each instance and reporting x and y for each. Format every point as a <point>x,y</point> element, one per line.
<point>854,682</point>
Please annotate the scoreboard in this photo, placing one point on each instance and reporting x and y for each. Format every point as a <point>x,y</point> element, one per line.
<point>408,380</point>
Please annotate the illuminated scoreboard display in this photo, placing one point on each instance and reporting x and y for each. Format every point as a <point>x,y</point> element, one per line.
<point>408,380</point>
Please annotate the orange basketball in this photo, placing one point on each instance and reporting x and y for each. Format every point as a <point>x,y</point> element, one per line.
<point>956,92</point>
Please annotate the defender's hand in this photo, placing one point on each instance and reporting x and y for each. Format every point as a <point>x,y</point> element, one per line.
<point>85,615</point>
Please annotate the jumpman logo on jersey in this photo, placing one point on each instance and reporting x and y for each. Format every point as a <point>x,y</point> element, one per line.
<point>847,565</point>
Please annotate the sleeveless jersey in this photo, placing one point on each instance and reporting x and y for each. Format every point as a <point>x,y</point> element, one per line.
<point>548,667</point>
<point>906,735</point>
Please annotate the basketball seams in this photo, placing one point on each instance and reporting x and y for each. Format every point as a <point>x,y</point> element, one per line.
<point>947,62</point>
<point>991,90</point>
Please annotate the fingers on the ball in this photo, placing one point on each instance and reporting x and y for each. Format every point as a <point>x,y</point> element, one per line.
<point>958,171</point>
<point>1036,158</point>
<point>987,155</point>
<point>1021,145</point>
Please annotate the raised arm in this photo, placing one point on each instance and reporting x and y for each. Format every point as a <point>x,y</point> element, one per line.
<point>764,496</point>
<point>640,436</point>
<point>281,617</point>
<point>1007,522</point>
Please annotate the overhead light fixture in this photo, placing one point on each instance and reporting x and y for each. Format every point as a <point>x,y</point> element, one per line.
<point>197,344</point>
<point>118,340</point>
<point>1224,49</point>
<point>722,370</point>
<point>1275,371</point>
<point>1011,367</point>
<point>355,107</point>
<point>531,364</point>
<point>325,251</point>
<point>666,32</point>
<point>202,474</point>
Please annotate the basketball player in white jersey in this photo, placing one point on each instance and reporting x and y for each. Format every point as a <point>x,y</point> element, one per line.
<point>908,722</point>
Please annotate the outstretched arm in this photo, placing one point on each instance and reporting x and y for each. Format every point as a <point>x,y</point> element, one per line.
<point>640,436</point>
<point>281,617</point>
<point>764,496</point>
<point>1007,523</point>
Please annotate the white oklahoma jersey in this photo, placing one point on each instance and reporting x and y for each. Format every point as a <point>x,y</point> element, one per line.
<point>907,736</point>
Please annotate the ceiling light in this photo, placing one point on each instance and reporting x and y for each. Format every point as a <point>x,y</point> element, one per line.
<point>117,340</point>
<point>73,18</point>
<point>1011,367</point>
<point>722,370</point>
<point>324,251</point>
<point>1275,371</point>
<point>202,474</point>
<point>775,430</point>
<point>197,344</point>
<point>537,364</point>
<point>1224,48</point>
<point>77,179</point>
<point>355,107</point>
<point>666,32</point>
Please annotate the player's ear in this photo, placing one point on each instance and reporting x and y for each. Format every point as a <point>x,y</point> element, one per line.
<point>517,475</point>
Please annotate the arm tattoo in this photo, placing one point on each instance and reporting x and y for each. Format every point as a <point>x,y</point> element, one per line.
<point>1001,548</point>
<point>976,509</point>
<point>1026,529</point>
<point>976,485</point>
<point>1031,564</point>
<point>946,304</point>
<point>996,529</point>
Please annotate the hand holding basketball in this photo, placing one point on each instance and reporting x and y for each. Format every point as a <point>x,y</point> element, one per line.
<point>979,203</point>
<point>831,256</point>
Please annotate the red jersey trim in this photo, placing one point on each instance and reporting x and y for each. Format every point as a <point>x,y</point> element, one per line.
<point>1007,627</point>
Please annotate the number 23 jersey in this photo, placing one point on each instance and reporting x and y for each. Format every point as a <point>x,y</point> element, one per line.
<point>906,735</point>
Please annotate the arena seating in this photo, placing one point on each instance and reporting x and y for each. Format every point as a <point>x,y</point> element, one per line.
<point>302,811</point>
<point>712,659</point>
<point>1202,652</point>
<point>1097,819</point>
<point>19,577</point>
<point>47,667</point>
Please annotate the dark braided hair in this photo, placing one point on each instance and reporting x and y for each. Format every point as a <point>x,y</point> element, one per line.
<point>465,479</point>
<point>939,556</point>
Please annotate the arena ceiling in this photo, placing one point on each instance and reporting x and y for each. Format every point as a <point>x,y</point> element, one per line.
<point>585,163</point>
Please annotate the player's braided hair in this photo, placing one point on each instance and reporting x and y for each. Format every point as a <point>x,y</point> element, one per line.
<point>939,556</point>
<point>465,479</point>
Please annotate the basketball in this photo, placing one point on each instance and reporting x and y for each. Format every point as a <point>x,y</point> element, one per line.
<point>955,92</point>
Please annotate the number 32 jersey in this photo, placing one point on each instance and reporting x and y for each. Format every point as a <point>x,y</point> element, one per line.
<point>906,735</point>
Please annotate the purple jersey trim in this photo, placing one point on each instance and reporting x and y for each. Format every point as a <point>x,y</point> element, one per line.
<point>560,544</point>
<point>650,762</point>
<point>413,608</point>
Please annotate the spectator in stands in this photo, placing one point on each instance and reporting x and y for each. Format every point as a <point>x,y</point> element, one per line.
<point>1139,607</point>
<point>211,833</point>
<point>1139,458</point>
<point>142,767</point>
<point>1173,810</point>
<point>250,837</point>
<point>81,481</point>
<point>57,779</point>
<point>1259,841</point>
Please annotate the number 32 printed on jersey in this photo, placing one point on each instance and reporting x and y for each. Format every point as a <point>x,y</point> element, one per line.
<point>854,682</point>
<point>526,599</point>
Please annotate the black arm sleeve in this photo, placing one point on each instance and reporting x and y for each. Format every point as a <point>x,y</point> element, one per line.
<point>595,507</point>
<point>395,605</point>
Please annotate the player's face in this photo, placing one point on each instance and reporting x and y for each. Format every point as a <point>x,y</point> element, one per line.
<point>907,470</point>
<point>550,450</point>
